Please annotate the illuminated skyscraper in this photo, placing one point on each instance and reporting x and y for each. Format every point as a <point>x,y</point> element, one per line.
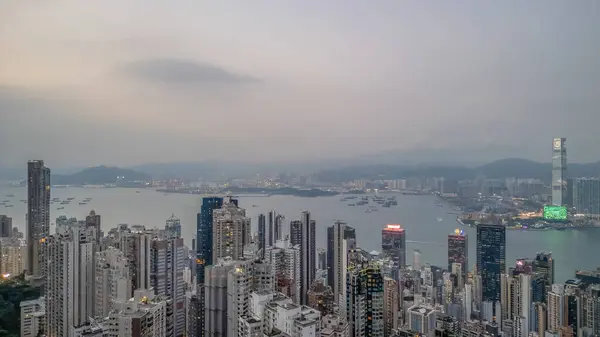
<point>393,244</point>
<point>559,172</point>
<point>204,237</point>
<point>458,251</point>
<point>38,217</point>
<point>491,259</point>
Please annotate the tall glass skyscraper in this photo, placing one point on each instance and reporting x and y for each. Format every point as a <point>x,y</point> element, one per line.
<point>204,235</point>
<point>559,172</point>
<point>491,259</point>
<point>38,217</point>
<point>586,196</point>
<point>393,244</point>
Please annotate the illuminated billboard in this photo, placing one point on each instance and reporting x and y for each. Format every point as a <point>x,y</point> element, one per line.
<point>555,213</point>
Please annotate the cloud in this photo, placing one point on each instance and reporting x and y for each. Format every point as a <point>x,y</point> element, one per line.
<point>181,72</point>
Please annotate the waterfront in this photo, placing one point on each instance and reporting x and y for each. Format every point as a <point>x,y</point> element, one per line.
<point>572,249</point>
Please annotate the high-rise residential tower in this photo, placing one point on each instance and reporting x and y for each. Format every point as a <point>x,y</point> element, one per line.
<point>262,235</point>
<point>38,216</point>
<point>559,172</point>
<point>285,261</point>
<point>204,237</point>
<point>586,196</point>
<point>231,232</point>
<point>295,232</point>
<point>337,247</point>
<point>393,244</point>
<point>308,255</point>
<point>272,230</point>
<point>491,259</point>
<point>544,265</point>
<point>5,226</point>
<point>458,251</point>
<point>70,282</point>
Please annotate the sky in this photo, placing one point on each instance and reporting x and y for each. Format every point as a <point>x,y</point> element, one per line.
<point>129,82</point>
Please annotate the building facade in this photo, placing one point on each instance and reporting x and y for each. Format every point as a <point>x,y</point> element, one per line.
<point>491,259</point>
<point>38,217</point>
<point>559,172</point>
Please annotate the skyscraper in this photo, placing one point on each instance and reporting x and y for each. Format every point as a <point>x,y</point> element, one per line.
<point>278,230</point>
<point>559,172</point>
<point>38,216</point>
<point>262,235</point>
<point>166,277</point>
<point>458,251</point>
<point>204,242</point>
<point>308,258</point>
<point>272,231</point>
<point>70,284</point>
<point>5,226</point>
<point>231,232</point>
<point>586,196</point>
<point>491,259</point>
<point>94,221</point>
<point>544,264</point>
<point>295,232</point>
<point>393,244</point>
<point>173,227</point>
<point>365,301</point>
<point>285,261</point>
<point>337,249</point>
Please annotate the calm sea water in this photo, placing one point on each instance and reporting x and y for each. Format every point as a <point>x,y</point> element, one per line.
<point>575,249</point>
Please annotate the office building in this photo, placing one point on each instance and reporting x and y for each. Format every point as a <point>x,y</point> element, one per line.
<point>285,261</point>
<point>491,259</point>
<point>308,255</point>
<point>215,288</point>
<point>231,232</point>
<point>320,297</point>
<point>393,244</point>
<point>422,319</point>
<point>272,230</point>
<point>204,236</point>
<point>167,261</point>
<point>262,235</point>
<point>559,172</point>
<point>6,229</point>
<point>278,230</point>
<point>33,313</point>
<point>458,251</point>
<point>13,256</point>
<point>38,217</point>
<point>192,305</point>
<point>586,197</point>
<point>112,281</point>
<point>544,264</point>
<point>173,227</point>
<point>296,232</point>
<point>70,282</point>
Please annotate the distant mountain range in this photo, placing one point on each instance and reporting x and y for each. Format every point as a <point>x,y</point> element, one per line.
<point>99,175</point>
<point>505,168</point>
<point>512,167</point>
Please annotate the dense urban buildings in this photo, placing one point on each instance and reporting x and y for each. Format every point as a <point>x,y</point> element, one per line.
<point>38,217</point>
<point>586,196</point>
<point>559,172</point>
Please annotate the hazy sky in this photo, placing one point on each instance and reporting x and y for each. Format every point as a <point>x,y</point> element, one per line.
<point>126,82</point>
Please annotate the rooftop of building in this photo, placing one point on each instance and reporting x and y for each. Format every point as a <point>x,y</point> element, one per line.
<point>423,310</point>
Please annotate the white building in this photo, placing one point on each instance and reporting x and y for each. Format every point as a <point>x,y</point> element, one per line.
<point>113,281</point>
<point>32,317</point>
<point>70,283</point>
<point>142,316</point>
<point>231,232</point>
<point>555,307</point>
<point>334,326</point>
<point>291,319</point>
<point>135,245</point>
<point>285,260</point>
<point>245,278</point>
<point>340,263</point>
<point>421,319</point>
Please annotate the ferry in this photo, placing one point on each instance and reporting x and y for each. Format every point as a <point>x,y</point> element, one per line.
<point>440,219</point>
<point>64,202</point>
<point>70,199</point>
<point>59,208</point>
<point>83,203</point>
<point>10,195</point>
<point>8,206</point>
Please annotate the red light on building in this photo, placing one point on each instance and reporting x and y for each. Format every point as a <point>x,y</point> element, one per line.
<point>394,228</point>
